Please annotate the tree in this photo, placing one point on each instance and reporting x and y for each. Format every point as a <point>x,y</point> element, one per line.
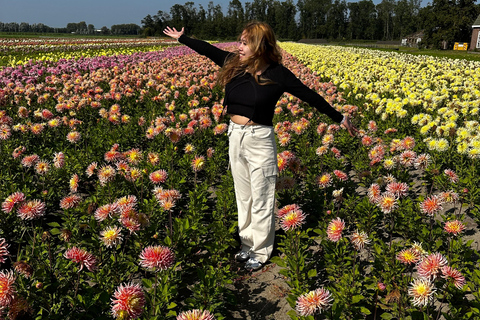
<point>385,12</point>
<point>91,29</point>
<point>313,14</point>
<point>82,27</point>
<point>362,20</point>
<point>337,20</point>
<point>259,10</point>
<point>235,17</point>
<point>406,15</point>
<point>71,27</point>
<point>24,27</point>
<point>284,14</point>
<point>448,21</point>
<point>216,20</point>
<point>160,20</point>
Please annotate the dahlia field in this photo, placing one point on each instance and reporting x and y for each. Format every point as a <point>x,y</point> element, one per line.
<point>118,202</point>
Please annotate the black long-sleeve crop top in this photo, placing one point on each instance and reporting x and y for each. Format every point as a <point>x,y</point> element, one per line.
<point>245,97</point>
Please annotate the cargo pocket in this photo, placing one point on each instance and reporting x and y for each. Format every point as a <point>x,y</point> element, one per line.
<point>270,173</point>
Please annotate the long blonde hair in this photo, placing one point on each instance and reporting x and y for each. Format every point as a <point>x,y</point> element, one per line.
<point>263,43</point>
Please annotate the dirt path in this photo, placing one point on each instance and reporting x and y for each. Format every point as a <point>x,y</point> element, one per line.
<point>261,295</point>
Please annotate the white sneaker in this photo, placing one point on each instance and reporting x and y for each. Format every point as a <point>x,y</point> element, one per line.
<point>242,256</point>
<point>253,264</point>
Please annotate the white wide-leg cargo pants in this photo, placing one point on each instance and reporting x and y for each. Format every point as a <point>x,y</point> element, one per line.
<point>253,161</point>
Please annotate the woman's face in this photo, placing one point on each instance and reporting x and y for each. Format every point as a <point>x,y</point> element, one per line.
<point>243,48</point>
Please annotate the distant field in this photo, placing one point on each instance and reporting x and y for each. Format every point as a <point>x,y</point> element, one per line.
<point>60,35</point>
<point>452,54</point>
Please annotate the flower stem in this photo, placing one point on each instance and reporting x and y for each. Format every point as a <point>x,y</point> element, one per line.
<point>155,294</point>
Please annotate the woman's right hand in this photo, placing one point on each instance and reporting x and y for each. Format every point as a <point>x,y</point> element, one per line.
<point>173,33</point>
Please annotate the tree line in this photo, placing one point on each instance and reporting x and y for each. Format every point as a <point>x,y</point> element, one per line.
<point>72,27</point>
<point>439,21</point>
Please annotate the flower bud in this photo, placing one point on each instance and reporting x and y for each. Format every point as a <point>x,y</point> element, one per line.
<point>381,286</point>
<point>46,236</point>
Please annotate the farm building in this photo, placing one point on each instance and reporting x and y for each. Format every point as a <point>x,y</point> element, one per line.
<point>413,40</point>
<point>475,42</point>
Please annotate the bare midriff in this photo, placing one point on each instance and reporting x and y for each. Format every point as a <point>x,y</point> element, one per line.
<point>241,120</point>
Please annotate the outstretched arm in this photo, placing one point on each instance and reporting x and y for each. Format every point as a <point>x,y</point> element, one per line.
<point>217,55</point>
<point>300,90</point>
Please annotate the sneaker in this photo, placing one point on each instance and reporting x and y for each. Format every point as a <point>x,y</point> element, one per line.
<point>253,264</point>
<point>242,256</point>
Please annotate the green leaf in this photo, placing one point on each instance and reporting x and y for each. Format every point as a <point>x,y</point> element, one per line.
<point>171,305</point>
<point>365,310</point>
<point>171,313</point>
<point>357,298</point>
<point>292,314</point>
<point>53,224</point>
<point>147,283</point>
<point>278,261</point>
<point>292,300</point>
<point>312,273</point>
<point>55,231</point>
<point>386,316</point>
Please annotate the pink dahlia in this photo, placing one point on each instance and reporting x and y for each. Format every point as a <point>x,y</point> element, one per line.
<point>128,301</point>
<point>105,211</point>
<point>313,302</point>
<point>159,176</point>
<point>3,250</point>
<point>31,209</point>
<point>452,176</point>
<point>195,315</point>
<point>287,209</point>
<point>454,227</point>
<point>292,220</point>
<point>82,257</point>
<point>157,257</point>
<point>12,200</point>
<point>7,288</point>
<point>335,229</point>
<point>456,276</point>
<point>431,266</point>
<point>431,205</point>
<point>70,201</point>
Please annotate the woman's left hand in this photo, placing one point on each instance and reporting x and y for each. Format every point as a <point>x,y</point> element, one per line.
<point>349,126</point>
<point>173,33</point>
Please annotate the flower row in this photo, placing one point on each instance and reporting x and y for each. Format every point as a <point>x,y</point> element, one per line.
<point>439,96</point>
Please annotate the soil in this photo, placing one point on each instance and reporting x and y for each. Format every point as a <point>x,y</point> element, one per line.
<point>261,295</point>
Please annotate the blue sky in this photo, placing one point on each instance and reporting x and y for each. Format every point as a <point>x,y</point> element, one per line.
<point>57,13</point>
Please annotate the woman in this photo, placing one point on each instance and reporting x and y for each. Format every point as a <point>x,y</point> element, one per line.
<point>254,80</point>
